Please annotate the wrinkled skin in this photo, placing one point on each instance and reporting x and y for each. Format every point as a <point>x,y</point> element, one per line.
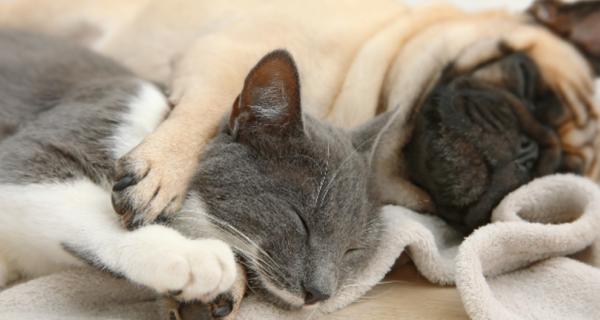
<point>481,135</point>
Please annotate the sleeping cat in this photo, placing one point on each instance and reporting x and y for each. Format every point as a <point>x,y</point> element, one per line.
<point>289,194</point>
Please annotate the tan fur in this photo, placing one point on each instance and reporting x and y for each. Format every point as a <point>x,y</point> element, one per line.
<point>205,50</point>
<point>356,58</point>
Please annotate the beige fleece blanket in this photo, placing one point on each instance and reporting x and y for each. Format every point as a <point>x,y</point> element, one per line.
<point>519,267</point>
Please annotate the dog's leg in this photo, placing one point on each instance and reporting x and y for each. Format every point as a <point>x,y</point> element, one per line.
<point>85,22</point>
<point>152,179</point>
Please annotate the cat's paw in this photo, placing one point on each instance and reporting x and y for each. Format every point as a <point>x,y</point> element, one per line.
<point>148,187</point>
<point>165,261</point>
<point>225,306</point>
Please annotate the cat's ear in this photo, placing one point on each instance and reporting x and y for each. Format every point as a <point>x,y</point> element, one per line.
<point>269,104</point>
<point>577,22</point>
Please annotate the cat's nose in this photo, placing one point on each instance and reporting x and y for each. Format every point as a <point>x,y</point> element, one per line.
<point>314,295</point>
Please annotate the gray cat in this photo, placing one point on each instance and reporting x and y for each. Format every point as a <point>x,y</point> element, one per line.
<point>290,195</point>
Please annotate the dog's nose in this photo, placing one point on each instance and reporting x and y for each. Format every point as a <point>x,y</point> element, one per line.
<point>314,295</point>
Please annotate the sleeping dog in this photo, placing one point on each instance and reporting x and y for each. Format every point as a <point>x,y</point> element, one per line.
<point>481,133</point>
<point>474,141</point>
<point>495,99</point>
<point>488,100</point>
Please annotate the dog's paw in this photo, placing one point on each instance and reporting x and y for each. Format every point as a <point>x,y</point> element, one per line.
<point>147,188</point>
<point>190,270</point>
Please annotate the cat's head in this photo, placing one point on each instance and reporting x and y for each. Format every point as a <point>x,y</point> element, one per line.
<point>291,193</point>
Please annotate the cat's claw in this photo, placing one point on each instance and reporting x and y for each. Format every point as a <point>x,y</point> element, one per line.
<point>195,270</point>
<point>221,307</point>
<point>144,192</point>
<point>224,307</point>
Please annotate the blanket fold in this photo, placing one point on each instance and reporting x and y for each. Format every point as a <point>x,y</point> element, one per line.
<point>515,268</point>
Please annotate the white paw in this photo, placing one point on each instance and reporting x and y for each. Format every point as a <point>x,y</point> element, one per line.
<point>162,259</point>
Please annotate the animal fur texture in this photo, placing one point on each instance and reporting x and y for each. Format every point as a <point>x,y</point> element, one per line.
<point>356,70</point>
<point>289,194</point>
<point>357,59</point>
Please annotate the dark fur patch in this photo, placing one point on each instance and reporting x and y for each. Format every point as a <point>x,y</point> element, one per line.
<point>480,135</point>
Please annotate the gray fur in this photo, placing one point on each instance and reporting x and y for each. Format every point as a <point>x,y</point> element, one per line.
<point>304,199</point>
<point>60,103</point>
<point>306,203</point>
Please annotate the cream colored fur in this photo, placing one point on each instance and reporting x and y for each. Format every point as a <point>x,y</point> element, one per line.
<point>514,268</point>
<point>40,223</point>
<point>355,60</point>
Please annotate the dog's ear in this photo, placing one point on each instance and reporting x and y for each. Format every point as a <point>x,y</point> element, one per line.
<point>578,22</point>
<point>269,105</point>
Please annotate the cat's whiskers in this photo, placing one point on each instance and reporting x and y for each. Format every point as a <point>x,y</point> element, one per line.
<point>356,283</point>
<point>353,285</point>
<point>389,282</point>
<point>334,176</point>
<point>253,262</point>
<point>251,278</point>
<point>229,229</point>
<point>312,313</point>
<point>269,267</point>
<point>244,248</point>
<point>323,181</point>
<point>243,244</point>
<point>372,226</point>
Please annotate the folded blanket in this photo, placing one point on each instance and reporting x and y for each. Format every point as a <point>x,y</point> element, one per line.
<point>515,268</point>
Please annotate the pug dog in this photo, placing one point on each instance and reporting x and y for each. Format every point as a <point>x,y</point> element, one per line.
<point>486,101</point>
<point>483,132</point>
<point>363,58</point>
<point>474,140</point>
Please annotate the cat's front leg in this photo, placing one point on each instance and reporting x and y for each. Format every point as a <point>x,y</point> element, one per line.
<point>162,259</point>
<point>225,306</point>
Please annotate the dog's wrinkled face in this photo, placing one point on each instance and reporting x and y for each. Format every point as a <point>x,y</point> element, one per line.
<point>476,139</point>
<point>507,110</point>
<point>289,192</point>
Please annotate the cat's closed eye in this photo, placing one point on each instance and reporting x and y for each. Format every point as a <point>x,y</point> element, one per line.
<point>302,220</point>
<point>352,251</point>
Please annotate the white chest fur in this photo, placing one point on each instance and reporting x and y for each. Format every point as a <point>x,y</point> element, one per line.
<point>38,221</point>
